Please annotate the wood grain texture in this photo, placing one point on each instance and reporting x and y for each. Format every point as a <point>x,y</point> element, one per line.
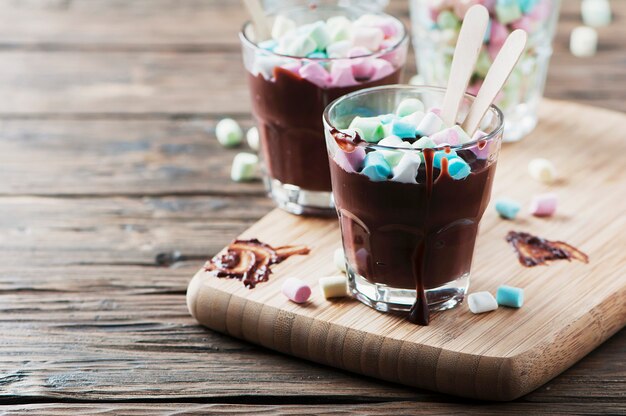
<point>570,308</point>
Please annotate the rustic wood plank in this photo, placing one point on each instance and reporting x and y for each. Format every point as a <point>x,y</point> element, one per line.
<point>117,157</point>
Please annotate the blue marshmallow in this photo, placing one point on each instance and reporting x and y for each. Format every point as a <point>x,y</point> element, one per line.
<point>386,118</point>
<point>507,208</point>
<point>268,45</point>
<point>376,167</point>
<point>510,296</point>
<point>317,55</point>
<point>443,154</point>
<point>403,129</point>
<point>527,5</point>
<point>458,168</point>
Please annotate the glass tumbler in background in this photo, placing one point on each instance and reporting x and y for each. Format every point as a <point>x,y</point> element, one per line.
<point>288,107</point>
<point>370,5</point>
<point>436,25</point>
<point>405,240</point>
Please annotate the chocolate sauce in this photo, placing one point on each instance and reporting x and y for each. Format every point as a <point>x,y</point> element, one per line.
<point>413,236</point>
<point>289,111</point>
<point>532,251</point>
<point>250,260</point>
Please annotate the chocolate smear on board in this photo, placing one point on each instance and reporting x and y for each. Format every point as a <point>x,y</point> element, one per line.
<point>250,260</point>
<point>533,251</point>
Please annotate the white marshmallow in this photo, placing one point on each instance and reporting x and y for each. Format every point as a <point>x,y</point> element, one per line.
<point>367,37</point>
<point>339,259</point>
<point>583,41</point>
<point>542,170</point>
<point>252,137</point>
<point>265,65</point>
<point>430,124</point>
<point>393,141</point>
<point>413,118</point>
<point>338,49</point>
<point>228,132</point>
<point>339,28</point>
<point>481,302</point>
<point>244,167</point>
<point>406,170</point>
<point>334,286</point>
<point>416,80</point>
<point>596,12</point>
<point>282,25</point>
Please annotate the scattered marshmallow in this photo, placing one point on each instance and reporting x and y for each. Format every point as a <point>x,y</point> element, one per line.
<point>382,69</point>
<point>458,169</point>
<point>583,42</point>
<point>316,74</point>
<point>350,161</point>
<point>244,168</point>
<point>406,170</point>
<point>542,170</point>
<point>392,157</point>
<point>252,137</point>
<point>543,205</point>
<point>596,13</point>
<point>370,128</point>
<point>341,75</point>
<point>481,302</point>
<point>334,286</point>
<point>282,25</point>
<point>320,35</point>
<point>296,290</point>
<point>430,124</point>
<point>403,129</point>
<point>424,143</point>
<point>367,37</point>
<point>301,45</point>
<point>409,106</point>
<point>228,132</point>
<point>339,28</point>
<point>340,259</point>
<point>338,49</point>
<point>507,208</point>
<point>376,167</point>
<point>510,296</point>
<point>508,11</point>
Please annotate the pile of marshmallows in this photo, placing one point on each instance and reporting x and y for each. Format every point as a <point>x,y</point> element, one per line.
<point>349,44</point>
<point>409,121</point>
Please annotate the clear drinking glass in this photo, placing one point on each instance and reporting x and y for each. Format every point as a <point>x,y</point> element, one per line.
<point>371,5</point>
<point>436,25</point>
<point>288,108</point>
<point>407,241</point>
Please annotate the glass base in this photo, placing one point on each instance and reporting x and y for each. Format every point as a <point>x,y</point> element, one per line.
<point>298,201</point>
<point>386,299</point>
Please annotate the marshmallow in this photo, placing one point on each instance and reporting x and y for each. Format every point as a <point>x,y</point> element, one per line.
<point>583,42</point>
<point>315,73</point>
<point>228,132</point>
<point>300,45</point>
<point>430,124</point>
<point>382,69</point>
<point>341,75</point>
<point>376,167</point>
<point>542,170</point>
<point>413,118</point>
<point>292,66</point>
<point>527,5</point>
<point>370,128</point>
<point>334,286</point>
<point>362,68</point>
<point>387,118</point>
<point>338,49</point>
<point>543,205</point>
<point>462,6</point>
<point>265,65</point>
<point>367,37</point>
<point>339,28</point>
<point>481,150</point>
<point>317,55</point>
<point>596,13</point>
<point>424,143</point>
<point>483,63</point>
<point>403,129</point>
<point>507,208</point>
<point>458,169</point>
<point>244,167</point>
<point>481,302</point>
<point>340,259</point>
<point>252,137</point>
<point>350,161</point>
<point>268,45</point>
<point>510,296</point>
<point>296,290</point>
<point>392,157</point>
<point>446,136</point>
<point>282,26</point>
<point>409,106</point>
<point>357,51</point>
<point>443,154</point>
<point>447,20</point>
<point>461,134</point>
<point>319,34</point>
<point>508,11</point>
<point>394,141</point>
<point>526,23</point>
<point>416,80</point>
<point>406,170</point>
<point>498,34</point>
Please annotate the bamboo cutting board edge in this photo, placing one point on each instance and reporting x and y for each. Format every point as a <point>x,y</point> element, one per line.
<point>489,366</point>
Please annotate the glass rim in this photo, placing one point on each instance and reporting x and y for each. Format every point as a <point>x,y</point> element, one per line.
<point>405,35</point>
<point>418,88</point>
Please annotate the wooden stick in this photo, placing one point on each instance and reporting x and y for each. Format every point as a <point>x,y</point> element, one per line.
<point>496,78</point>
<point>465,55</point>
<point>261,24</point>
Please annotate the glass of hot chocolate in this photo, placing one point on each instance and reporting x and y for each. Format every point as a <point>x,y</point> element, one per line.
<point>409,192</point>
<point>313,56</point>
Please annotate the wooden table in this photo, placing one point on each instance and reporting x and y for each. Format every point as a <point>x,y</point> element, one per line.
<point>113,190</point>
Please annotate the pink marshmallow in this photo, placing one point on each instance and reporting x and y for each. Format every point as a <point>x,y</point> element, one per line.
<point>358,51</point>
<point>361,67</point>
<point>382,69</point>
<point>315,73</point>
<point>447,136</point>
<point>474,88</point>
<point>525,23</point>
<point>352,161</point>
<point>489,4</point>
<point>435,110</point>
<point>499,33</point>
<point>341,75</point>
<point>493,49</point>
<point>543,205</point>
<point>388,26</point>
<point>296,290</point>
<point>461,7</point>
<point>481,150</point>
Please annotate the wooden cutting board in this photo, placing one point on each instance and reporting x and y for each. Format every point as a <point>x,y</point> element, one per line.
<point>570,308</point>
